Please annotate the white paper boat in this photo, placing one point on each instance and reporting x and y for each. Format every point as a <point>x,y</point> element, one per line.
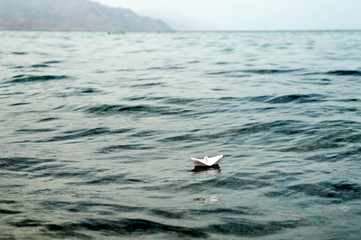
<point>206,161</point>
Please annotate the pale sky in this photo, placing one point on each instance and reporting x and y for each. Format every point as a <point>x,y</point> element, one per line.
<point>250,14</point>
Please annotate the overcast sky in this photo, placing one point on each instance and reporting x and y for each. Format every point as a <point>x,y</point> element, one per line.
<point>251,14</point>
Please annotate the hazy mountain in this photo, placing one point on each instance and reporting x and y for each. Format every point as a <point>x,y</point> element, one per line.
<point>72,15</point>
<point>177,21</point>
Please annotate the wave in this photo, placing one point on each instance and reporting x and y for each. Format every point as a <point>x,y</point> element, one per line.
<point>37,130</point>
<point>149,109</point>
<point>48,119</point>
<point>148,85</point>
<point>337,73</point>
<point>19,53</point>
<point>70,135</point>
<point>20,163</point>
<point>115,148</point>
<point>126,227</point>
<point>40,66</point>
<point>344,73</point>
<point>297,98</point>
<point>339,191</point>
<point>287,127</point>
<point>81,133</point>
<point>138,227</point>
<point>42,78</point>
<point>255,71</point>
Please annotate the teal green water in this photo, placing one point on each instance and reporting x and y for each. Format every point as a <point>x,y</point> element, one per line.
<point>97,132</point>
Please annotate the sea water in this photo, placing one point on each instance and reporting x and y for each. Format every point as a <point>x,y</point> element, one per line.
<point>97,132</point>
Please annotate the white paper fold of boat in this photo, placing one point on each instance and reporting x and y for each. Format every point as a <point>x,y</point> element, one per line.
<point>206,161</point>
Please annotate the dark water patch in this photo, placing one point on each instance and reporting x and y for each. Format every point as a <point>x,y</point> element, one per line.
<point>53,62</point>
<point>224,63</point>
<point>218,89</point>
<point>247,99</point>
<point>48,119</point>
<point>182,138</point>
<point>71,135</point>
<point>19,163</point>
<point>224,72</point>
<point>38,130</point>
<point>145,98</point>
<point>246,228</point>
<point>19,53</point>
<point>27,223</point>
<point>297,98</point>
<point>19,104</point>
<point>17,67</point>
<point>327,135</point>
<point>181,101</point>
<point>317,81</point>
<point>92,207</point>
<point>193,62</point>
<point>128,228</point>
<point>348,138</point>
<point>312,145</point>
<point>166,68</point>
<point>271,71</point>
<point>8,212</point>
<point>124,147</point>
<point>40,66</point>
<point>148,85</point>
<point>42,78</point>
<point>344,73</point>
<point>339,123</point>
<point>191,213</point>
<point>167,214</point>
<point>230,99</point>
<point>90,90</point>
<point>12,94</point>
<point>277,194</point>
<point>78,92</point>
<point>341,155</point>
<point>281,127</point>
<point>237,183</point>
<point>341,191</point>
<point>350,100</point>
<point>230,182</point>
<point>264,98</point>
<point>255,71</point>
<point>108,179</point>
<point>110,109</point>
<point>142,134</point>
<point>113,179</point>
<point>4,201</point>
<point>149,109</point>
<point>289,127</point>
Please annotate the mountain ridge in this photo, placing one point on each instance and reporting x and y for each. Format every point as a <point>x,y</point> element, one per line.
<point>72,15</point>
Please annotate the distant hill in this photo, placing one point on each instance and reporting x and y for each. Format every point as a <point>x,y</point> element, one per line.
<point>72,15</point>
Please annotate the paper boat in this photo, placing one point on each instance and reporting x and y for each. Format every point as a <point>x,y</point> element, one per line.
<point>206,161</point>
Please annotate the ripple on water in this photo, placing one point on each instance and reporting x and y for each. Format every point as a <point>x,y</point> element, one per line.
<point>82,133</point>
<point>41,78</point>
<point>20,163</point>
<point>122,147</point>
<point>297,98</point>
<point>345,73</point>
<point>341,192</point>
<point>148,109</point>
<point>140,227</point>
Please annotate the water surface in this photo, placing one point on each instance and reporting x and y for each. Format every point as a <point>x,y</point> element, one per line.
<point>97,132</point>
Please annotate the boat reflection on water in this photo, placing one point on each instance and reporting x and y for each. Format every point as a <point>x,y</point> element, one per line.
<point>199,169</point>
